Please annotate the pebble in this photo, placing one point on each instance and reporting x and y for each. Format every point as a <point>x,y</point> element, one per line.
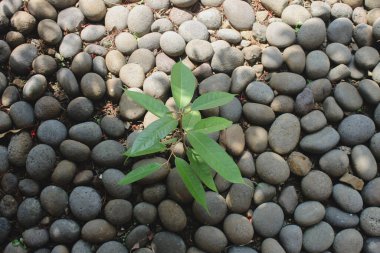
<point>44,65</point>
<point>150,41</point>
<point>64,231</point>
<point>23,22</point>
<point>49,31</point>
<point>198,50</point>
<point>366,58</point>
<point>369,221</point>
<point>192,29</point>
<point>318,238</point>
<point>115,60</point>
<point>81,64</point>
<point>126,43</point>
<point>110,179</point>
<point>63,173</point>
<point>35,237</point>
<point>309,213</point>
<point>239,197</point>
<point>93,33</point>
<point>29,212</point>
<point>280,35</point>
<point>362,35</point>
<point>116,18</point>
<point>332,110</point>
<point>316,185</point>
<point>70,19</point>
<point>295,58</point>
<point>338,73</point>
<point>140,19</point>
<point>88,133</point>
<point>217,209</point>
<point>40,162</point>
<point>313,121</point>
<point>5,122</point>
<point>335,163</point>
<point>288,199</point>
<point>227,59</point>
<point>19,147</point>
<point>317,65</point>
<point>178,16</point>
<point>54,200</point>
<point>42,9</point>
<point>172,216</point>
<point>144,57</point>
<point>338,53</point>
<point>118,212</point>
<point>363,162</point>
<point>271,245</point>
<point>282,104</point>
<point>210,239</point>
<point>68,82</point>
<point>233,139</point>
<point>217,82</point>
<point>348,240</point>
<point>371,245</point>
<point>239,14</point>
<point>238,229</point>
<point>108,153</point>
<point>339,219</point>
<point>98,231</point>
<point>284,133</point>
<point>340,30</point>
<point>74,150</point>
<point>259,92</point>
<point>341,10</point>
<point>287,83</point>
<point>271,58</point>
<point>85,203</point>
<point>231,111</point>
<point>251,53</point>
<point>258,114</point>
<point>167,242</point>
<point>321,89</point>
<point>112,246</point>
<point>299,164</point>
<point>52,132</point>
<point>291,238</point>
<point>93,10</point>
<point>161,25</point>
<point>8,206</point>
<point>21,58</point>
<point>276,6</point>
<point>320,142</point>
<point>264,193</point>
<point>369,193</point>
<point>137,235</point>
<point>211,18</point>
<point>295,14</point>
<point>269,219</point>
<point>163,4</point>
<point>114,89</point>
<point>308,40</point>
<point>369,91</point>
<point>356,129</point>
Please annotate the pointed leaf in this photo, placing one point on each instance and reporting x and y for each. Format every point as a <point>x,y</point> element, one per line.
<point>211,125</point>
<point>153,105</point>
<point>190,179</point>
<point>182,84</point>
<point>153,134</point>
<point>139,173</point>
<point>202,170</point>
<point>190,119</point>
<point>211,100</point>
<point>215,156</point>
<point>155,148</point>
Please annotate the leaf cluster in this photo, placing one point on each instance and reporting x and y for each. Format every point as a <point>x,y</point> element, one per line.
<point>186,126</point>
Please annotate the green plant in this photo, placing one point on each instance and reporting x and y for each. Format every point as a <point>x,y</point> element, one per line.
<point>186,126</point>
<point>19,243</point>
<point>298,26</point>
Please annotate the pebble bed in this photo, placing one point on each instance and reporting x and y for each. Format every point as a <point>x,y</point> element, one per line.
<point>306,114</point>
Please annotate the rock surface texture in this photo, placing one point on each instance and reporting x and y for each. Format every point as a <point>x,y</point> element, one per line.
<point>306,76</point>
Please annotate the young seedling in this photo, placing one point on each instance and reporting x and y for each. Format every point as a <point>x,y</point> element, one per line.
<point>186,126</point>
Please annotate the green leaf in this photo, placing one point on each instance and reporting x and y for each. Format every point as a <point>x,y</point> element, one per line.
<point>157,147</point>
<point>211,125</point>
<point>153,134</point>
<point>182,84</point>
<point>190,119</point>
<point>192,182</point>
<point>211,100</point>
<point>139,173</point>
<point>169,141</point>
<point>153,105</point>
<point>202,170</point>
<point>215,156</point>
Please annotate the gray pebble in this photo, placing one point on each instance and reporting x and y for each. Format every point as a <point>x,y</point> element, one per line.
<point>93,10</point>
<point>263,193</point>
<point>116,18</point>
<point>54,200</point>
<point>167,242</point>
<point>88,133</point>
<point>312,40</point>
<point>356,129</point>
<point>288,199</point>
<point>347,198</point>
<point>320,142</point>
<point>136,23</point>
<point>291,238</point>
<point>211,18</point>
<point>313,121</point>
<point>21,58</point>
<point>348,241</point>
<point>145,213</point>
<point>317,65</point>
<point>318,238</point>
<point>19,147</point>
<point>210,239</point>
<point>98,231</point>
<point>70,19</point>
<point>29,212</point>
<point>287,83</point>
<point>52,132</point>
<point>369,221</point>
<point>258,114</point>
<point>309,213</point>
<point>340,30</point>
<point>339,219</point>
<point>68,82</point>
<point>338,53</point>
<point>363,162</point>
<point>271,58</point>
<point>85,203</point>
<point>295,58</point>
<point>316,185</point>
<point>217,209</point>
<point>269,219</point>
<point>108,153</point>
<point>335,163</point>
<point>294,14</point>
<point>144,57</point>
<point>280,35</point>
<point>40,162</point>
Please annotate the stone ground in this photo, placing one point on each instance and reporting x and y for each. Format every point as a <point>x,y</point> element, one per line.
<point>306,115</point>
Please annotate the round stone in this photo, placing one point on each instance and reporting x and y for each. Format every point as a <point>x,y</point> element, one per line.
<point>217,209</point>
<point>93,10</point>
<point>280,35</point>
<point>238,229</point>
<point>239,14</point>
<point>192,29</point>
<point>210,239</point>
<point>22,57</point>
<point>284,133</point>
<point>356,129</point>
<point>167,242</point>
<point>64,231</point>
<point>295,14</point>
<point>40,162</point>
<point>312,40</point>
<point>268,220</point>
<point>52,132</point>
<point>54,200</point>
<point>272,168</point>
<point>309,213</point>
<point>340,30</point>
<point>85,203</point>
<point>172,44</point>
<point>316,185</point>
<point>140,19</point>
<point>318,238</point>
<point>172,216</point>
<point>369,221</point>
